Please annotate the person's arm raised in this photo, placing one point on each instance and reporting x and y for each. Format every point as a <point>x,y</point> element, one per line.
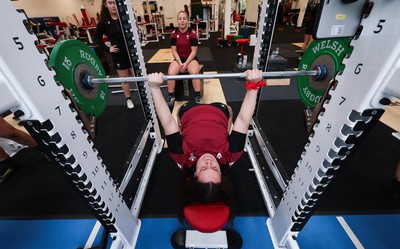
<point>163,113</point>
<point>253,78</point>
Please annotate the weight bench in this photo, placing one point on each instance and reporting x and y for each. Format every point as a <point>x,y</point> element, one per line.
<point>184,88</point>
<point>207,220</point>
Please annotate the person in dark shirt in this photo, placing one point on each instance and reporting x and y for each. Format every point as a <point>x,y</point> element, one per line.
<point>201,143</point>
<point>184,42</point>
<point>110,26</point>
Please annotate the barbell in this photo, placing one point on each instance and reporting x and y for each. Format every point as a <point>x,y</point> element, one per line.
<point>320,71</point>
<point>80,70</point>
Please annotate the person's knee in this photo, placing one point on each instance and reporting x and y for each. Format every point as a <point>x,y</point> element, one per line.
<point>173,68</point>
<point>193,67</point>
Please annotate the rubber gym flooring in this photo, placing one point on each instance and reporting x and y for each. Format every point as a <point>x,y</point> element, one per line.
<point>39,209</point>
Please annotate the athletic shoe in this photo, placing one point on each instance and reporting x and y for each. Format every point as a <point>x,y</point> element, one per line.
<point>129,104</point>
<point>197,100</point>
<point>171,101</point>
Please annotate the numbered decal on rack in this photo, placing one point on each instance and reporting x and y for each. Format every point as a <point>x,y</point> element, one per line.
<point>379,26</point>
<point>20,46</point>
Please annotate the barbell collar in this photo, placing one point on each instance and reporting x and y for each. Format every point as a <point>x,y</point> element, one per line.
<point>267,75</point>
<point>322,72</point>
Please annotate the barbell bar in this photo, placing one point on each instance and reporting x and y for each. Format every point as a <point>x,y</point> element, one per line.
<point>319,73</point>
<point>81,72</point>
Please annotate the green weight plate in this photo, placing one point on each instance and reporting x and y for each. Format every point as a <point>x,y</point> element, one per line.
<point>326,52</point>
<point>72,60</point>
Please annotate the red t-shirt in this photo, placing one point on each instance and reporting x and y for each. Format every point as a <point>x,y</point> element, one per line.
<point>184,42</point>
<point>204,130</point>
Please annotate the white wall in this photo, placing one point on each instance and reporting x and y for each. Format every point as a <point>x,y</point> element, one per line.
<point>170,9</point>
<point>302,5</point>
<point>61,8</point>
<point>65,8</point>
<point>251,14</point>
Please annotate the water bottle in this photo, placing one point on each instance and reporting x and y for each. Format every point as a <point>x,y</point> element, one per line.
<point>244,64</point>
<point>275,53</point>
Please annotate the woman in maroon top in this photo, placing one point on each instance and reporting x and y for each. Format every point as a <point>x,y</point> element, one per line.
<point>184,42</point>
<point>201,144</point>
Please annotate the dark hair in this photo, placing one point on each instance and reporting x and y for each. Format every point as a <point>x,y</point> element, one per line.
<point>194,191</point>
<point>104,13</point>
<point>186,10</point>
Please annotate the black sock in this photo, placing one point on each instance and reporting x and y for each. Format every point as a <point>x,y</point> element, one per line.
<point>197,94</point>
<point>128,97</point>
<point>172,95</point>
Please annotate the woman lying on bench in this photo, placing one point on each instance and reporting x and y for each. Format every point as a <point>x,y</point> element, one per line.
<point>201,143</point>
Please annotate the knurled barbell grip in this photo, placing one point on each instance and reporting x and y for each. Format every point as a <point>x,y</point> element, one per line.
<point>267,75</point>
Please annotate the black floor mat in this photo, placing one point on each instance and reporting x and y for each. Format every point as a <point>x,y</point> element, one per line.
<point>39,190</point>
<point>360,186</point>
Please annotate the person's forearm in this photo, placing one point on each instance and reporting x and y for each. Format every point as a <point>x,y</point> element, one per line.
<point>102,45</point>
<point>163,113</point>
<point>246,112</point>
<point>175,54</point>
<point>192,54</point>
<point>253,82</point>
<point>191,57</point>
<point>176,57</point>
<point>98,38</point>
<point>249,104</point>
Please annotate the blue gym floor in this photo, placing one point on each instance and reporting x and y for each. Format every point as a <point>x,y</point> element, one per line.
<point>322,232</point>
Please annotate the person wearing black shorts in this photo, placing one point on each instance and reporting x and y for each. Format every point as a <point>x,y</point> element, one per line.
<point>110,26</point>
